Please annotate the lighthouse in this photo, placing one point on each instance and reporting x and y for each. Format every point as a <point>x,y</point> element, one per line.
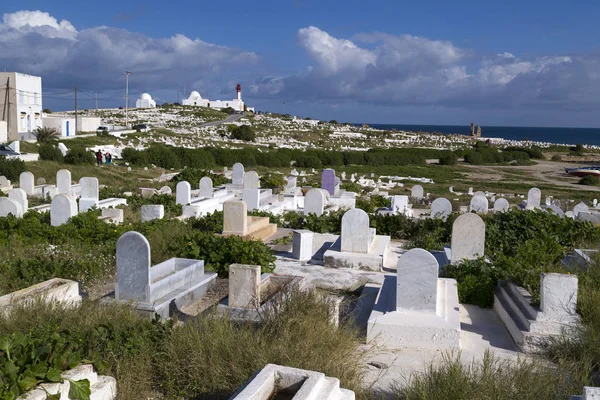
<point>239,91</point>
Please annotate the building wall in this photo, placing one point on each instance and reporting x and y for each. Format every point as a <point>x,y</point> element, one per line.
<point>143,103</point>
<point>64,125</point>
<point>9,114</point>
<point>29,102</point>
<point>236,104</point>
<point>3,132</point>
<point>88,124</point>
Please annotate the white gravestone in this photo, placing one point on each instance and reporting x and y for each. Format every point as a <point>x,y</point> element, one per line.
<point>206,187</point>
<point>417,192</point>
<point>251,180</point>
<point>235,220</point>
<point>534,198</point>
<point>314,202</point>
<point>152,212</point>
<point>501,205</point>
<point>558,296</point>
<point>4,182</point>
<point>290,185</point>
<point>399,204</point>
<point>183,193</point>
<point>581,207</point>
<point>133,267</point>
<point>356,235</point>
<point>468,238</point>
<point>302,244</point>
<point>244,286</point>
<point>556,210</point>
<point>251,197</point>
<point>237,174</point>
<point>10,207</point>
<point>417,281</point>
<point>441,208</point>
<point>20,197</point>
<point>63,181</point>
<point>62,208</point>
<point>479,204</point>
<point>41,181</point>
<point>27,182</point>
<point>165,190</point>
<point>63,149</point>
<point>90,195</point>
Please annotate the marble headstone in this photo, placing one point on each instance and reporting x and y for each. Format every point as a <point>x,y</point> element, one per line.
<point>251,180</point>
<point>417,281</point>
<point>468,237</point>
<point>534,198</point>
<point>206,187</point>
<point>183,193</point>
<point>356,234</point>
<point>441,208</point>
<point>133,267</point>
<point>314,202</point>
<point>501,205</point>
<point>237,174</point>
<point>328,181</point>
<point>26,182</point>
<point>417,192</point>
<point>479,204</point>
<point>62,208</point>
<point>63,181</point>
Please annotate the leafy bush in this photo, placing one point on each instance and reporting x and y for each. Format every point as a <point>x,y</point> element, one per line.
<point>557,157</point>
<point>243,132</point>
<point>50,153</point>
<point>476,280</point>
<point>448,158</point>
<point>194,175</point>
<point>590,180</point>
<point>11,168</point>
<point>272,181</point>
<point>79,156</point>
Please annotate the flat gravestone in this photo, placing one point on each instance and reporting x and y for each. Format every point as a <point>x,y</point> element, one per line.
<point>206,187</point>
<point>399,203</point>
<point>417,281</point>
<point>501,205</point>
<point>62,208</point>
<point>152,212</point>
<point>133,267</point>
<point>581,207</point>
<point>237,174</point>
<point>441,208</point>
<point>251,180</point>
<point>417,192</point>
<point>63,181</point>
<point>244,286</point>
<point>10,207</point>
<point>468,238</point>
<point>26,182</point>
<point>314,202</point>
<point>355,235</point>
<point>328,181</point>
<point>235,220</point>
<point>183,193</point>
<point>20,197</point>
<point>534,198</point>
<point>479,204</point>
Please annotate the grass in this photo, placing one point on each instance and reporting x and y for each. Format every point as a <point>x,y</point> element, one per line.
<point>208,357</point>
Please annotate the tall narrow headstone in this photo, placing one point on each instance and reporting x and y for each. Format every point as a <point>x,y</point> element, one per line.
<point>534,198</point>
<point>183,193</point>
<point>441,208</point>
<point>27,182</point>
<point>302,244</point>
<point>133,267</point>
<point>244,286</point>
<point>63,181</point>
<point>417,192</point>
<point>290,185</point>
<point>328,181</point>
<point>558,296</point>
<point>235,220</point>
<point>90,193</point>
<point>10,207</point>
<point>356,234</point>
<point>206,187</point>
<point>20,197</point>
<point>62,208</point>
<point>479,204</point>
<point>501,205</point>
<point>251,180</point>
<point>237,174</point>
<point>252,198</point>
<point>468,238</point>
<point>314,202</point>
<point>417,281</point>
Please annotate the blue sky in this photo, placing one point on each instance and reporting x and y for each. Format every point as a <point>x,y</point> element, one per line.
<point>431,62</point>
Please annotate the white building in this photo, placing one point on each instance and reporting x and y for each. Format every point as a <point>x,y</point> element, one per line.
<point>145,101</point>
<point>23,111</point>
<point>196,100</point>
<point>65,123</point>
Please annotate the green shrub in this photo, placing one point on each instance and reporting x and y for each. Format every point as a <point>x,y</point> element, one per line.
<point>78,156</point>
<point>590,180</point>
<point>243,132</point>
<point>11,168</point>
<point>272,181</point>
<point>50,152</point>
<point>476,280</point>
<point>448,158</point>
<point>557,157</point>
<point>45,135</point>
<point>194,175</point>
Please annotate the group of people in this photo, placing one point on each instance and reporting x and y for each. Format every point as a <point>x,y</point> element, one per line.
<point>107,157</point>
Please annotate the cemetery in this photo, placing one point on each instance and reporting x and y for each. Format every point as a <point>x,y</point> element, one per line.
<point>333,283</point>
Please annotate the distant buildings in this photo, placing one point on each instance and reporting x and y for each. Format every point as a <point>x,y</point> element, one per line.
<point>20,105</point>
<point>196,100</point>
<point>145,101</point>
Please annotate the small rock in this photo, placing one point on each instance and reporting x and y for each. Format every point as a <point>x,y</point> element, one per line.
<point>378,364</point>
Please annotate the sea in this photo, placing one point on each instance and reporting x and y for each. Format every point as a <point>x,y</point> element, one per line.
<point>569,136</point>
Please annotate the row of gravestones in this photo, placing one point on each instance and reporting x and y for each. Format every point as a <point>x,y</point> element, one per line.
<point>63,182</point>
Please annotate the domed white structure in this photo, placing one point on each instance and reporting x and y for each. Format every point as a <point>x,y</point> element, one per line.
<point>195,95</point>
<point>145,101</point>
<point>196,100</point>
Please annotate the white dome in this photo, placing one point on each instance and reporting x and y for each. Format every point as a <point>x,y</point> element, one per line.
<point>146,96</point>
<point>195,95</point>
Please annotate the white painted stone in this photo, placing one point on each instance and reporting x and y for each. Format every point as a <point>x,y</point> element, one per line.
<point>244,286</point>
<point>399,204</point>
<point>63,149</point>
<point>556,210</point>
<point>251,197</point>
<point>56,290</point>
<point>4,183</point>
<point>251,180</point>
<point>417,192</point>
<point>10,207</point>
<point>206,187</point>
<point>63,181</point>
<point>417,281</point>
<point>41,181</point>
<point>235,221</point>
<point>183,193</point>
<point>290,185</point>
<point>356,235</point>
<point>62,208</point>
<point>534,198</point>
<point>90,193</point>
<point>152,212</point>
<point>581,207</point>
<point>27,182</point>
<point>20,197</point>
<point>237,177</point>
<point>501,205</point>
<point>548,200</point>
<point>133,267</point>
<point>114,215</point>
<point>165,190</point>
<point>441,208</point>
<point>314,202</point>
<point>468,238</point>
<point>479,204</point>
<point>302,244</point>
<point>558,296</point>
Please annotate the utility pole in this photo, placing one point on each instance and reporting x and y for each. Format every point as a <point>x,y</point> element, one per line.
<point>76,122</point>
<point>177,95</point>
<point>96,101</point>
<point>127,73</point>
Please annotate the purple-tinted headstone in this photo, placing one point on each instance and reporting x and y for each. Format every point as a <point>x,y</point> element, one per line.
<point>328,181</point>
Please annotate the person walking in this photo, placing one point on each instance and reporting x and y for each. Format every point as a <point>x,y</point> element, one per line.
<point>99,157</point>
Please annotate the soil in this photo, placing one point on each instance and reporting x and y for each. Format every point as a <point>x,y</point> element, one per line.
<point>217,292</point>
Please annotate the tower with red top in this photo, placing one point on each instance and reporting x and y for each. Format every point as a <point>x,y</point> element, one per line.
<point>239,91</point>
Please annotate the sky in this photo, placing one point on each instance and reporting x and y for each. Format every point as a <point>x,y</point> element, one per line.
<point>509,63</point>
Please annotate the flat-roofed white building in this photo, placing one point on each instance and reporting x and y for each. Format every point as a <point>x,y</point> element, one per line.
<point>21,105</point>
<point>196,100</point>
